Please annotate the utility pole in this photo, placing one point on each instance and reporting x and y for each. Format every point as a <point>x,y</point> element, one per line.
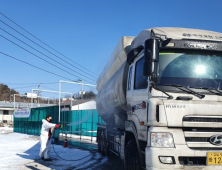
<point>82,90</point>
<point>10,96</point>
<point>38,92</point>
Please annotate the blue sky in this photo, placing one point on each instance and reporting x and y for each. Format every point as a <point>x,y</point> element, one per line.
<point>87,32</point>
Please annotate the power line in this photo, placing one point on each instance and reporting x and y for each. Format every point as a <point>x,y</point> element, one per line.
<point>21,87</point>
<point>28,83</point>
<point>50,88</point>
<point>43,48</point>
<point>34,66</point>
<point>22,91</point>
<point>40,57</point>
<point>45,55</point>
<point>42,41</point>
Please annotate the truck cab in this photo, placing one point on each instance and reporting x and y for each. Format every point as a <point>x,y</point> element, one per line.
<point>171,117</point>
<point>174,92</point>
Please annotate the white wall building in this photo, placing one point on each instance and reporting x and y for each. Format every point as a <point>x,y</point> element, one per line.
<point>6,115</point>
<point>7,109</point>
<point>85,106</point>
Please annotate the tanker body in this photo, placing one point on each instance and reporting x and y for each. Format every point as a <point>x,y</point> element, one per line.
<point>160,97</point>
<point>111,86</point>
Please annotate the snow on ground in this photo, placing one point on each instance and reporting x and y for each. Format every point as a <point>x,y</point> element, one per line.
<point>6,129</point>
<point>20,152</point>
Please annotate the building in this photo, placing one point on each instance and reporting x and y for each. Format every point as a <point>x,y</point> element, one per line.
<point>79,105</point>
<point>7,109</point>
<point>6,112</point>
<point>88,105</point>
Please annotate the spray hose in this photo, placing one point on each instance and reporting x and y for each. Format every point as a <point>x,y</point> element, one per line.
<point>70,159</point>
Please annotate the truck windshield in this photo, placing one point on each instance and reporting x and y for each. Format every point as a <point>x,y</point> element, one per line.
<point>193,70</point>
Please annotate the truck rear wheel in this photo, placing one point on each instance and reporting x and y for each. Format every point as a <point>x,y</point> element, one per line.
<point>99,141</point>
<point>132,161</point>
<point>103,143</point>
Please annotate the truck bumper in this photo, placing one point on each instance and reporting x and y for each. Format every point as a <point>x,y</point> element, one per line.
<point>189,168</point>
<point>153,162</point>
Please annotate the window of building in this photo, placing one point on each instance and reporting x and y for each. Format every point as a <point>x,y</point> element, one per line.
<point>140,82</point>
<point>5,112</point>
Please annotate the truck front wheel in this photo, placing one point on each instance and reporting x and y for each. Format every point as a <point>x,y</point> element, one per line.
<point>132,161</point>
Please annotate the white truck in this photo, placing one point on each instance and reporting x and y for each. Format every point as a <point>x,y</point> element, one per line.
<point>160,96</point>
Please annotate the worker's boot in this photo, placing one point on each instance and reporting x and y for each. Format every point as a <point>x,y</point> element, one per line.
<point>48,159</point>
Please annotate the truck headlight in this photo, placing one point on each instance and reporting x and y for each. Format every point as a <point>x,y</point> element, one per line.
<point>162,140</point>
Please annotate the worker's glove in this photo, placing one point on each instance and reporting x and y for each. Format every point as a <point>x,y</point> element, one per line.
<point>56,126</point>
<point>52,140</point>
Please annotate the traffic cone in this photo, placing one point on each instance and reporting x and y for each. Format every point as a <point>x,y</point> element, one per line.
<point>65,142</point>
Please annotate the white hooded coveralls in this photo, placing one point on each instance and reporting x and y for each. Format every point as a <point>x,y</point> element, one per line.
<point>44,140</point>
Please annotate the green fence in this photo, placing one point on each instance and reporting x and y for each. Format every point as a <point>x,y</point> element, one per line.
<point>80,122</point>
<point>33,124</point>
<point>72,122</point>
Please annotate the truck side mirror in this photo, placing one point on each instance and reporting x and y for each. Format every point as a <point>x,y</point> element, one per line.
<point>151,54</point>
<point>147,68</point>
<point>151,51</point>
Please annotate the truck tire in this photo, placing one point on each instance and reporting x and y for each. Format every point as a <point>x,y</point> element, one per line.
<point>99,141</point>
<point>104,144</point>
<point>132,161</point>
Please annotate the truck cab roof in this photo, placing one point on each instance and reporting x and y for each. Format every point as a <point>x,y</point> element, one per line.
<point>126,44</point>
<point>176,33</point>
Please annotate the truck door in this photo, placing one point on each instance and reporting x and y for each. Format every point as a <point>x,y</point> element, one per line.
<point>137,96</point>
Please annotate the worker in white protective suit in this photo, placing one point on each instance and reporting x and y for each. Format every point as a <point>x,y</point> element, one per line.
<point>45,137</point>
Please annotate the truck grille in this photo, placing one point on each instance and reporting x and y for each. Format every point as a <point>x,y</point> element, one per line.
<point>193,129</point>
<point>197,139</point>
<point>206,149</point>
<point>192,160</point>
<point>201,119</point>
<point>199,130</point>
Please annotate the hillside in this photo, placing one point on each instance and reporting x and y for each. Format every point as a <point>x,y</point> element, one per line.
<point>5,92</point>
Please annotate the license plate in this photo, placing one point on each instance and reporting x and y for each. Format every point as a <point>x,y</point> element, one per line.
<point>214,158</point>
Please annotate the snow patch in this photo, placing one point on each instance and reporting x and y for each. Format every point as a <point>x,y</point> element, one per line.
<point>21,151</point>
